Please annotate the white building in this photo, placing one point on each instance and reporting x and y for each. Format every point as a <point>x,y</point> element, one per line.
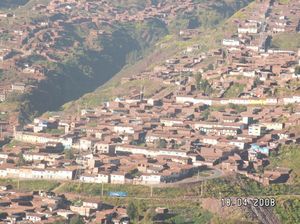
<point>99,178</point>
<point>103,147</point>
<point>170,123</point>
<point>149,179</point>
<point>34,156</point>
<point>256,130</point>
<point>230,42</point>
<point>188,99</point>
<point>30,173</point>
<point>251,29</point>
<point>123,129</point>
<point>34,217</point>
<point>117,178</point>
<point>86,144</point>
<point>42,138</point>
<point>273,125</point>
<point>293,99</point>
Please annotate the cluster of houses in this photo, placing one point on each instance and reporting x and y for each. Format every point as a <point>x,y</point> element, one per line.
<point>48,207</point>
<point>228,109</point>
<point>173,134</point>
<point>25,39</point>
<point>247,70</point>
<point>153,141</point>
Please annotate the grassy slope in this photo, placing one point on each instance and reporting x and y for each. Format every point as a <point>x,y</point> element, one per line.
<point>23,10</point>
<point>289,156</point>
<point>286,41</point>
<point>29,185</point>
<point>12,3</point>
<point>235,90</point>
<point>288,209</point>
<point>168,46</point>
<point>114,88</point>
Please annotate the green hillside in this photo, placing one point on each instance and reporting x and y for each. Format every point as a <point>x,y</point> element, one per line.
<point>287,41</point>
<point>94,60</point>
<point>87,68</point>
<point>211,22</point>
<point>12,3</point>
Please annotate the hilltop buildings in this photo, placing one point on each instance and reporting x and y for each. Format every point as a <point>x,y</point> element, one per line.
<point>228,108</point>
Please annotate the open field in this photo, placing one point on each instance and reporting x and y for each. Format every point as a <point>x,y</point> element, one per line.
<point>287,41</point>
<point>30,185</point>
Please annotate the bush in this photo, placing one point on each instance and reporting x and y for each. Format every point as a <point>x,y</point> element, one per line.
<point>132,211</point>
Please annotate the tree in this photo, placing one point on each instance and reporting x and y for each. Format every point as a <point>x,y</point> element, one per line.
<point>290,107</point>
<point>161,143</point>
<point>230,137</point>
<point>198,78</point>
<point>238,108</point>
<point>132,211</point>
<point>76,220</point>
<point>257,82</point>
<point>193,23</point>
<point>150,214</point>
<point>154,2</point>
<point>297,70</point>
<point>21,160</point>
<point>205,114</point>
<point>69,154</point>
<point>142,207</point>
<point>204,85</point>
<point>210,67</point>
<point>243,60</point>
<point>134,173</point>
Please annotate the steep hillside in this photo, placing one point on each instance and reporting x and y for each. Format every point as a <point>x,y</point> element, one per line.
<point>12,3</point>
<point>212,24</point>
<point>88,68</point>
<point>85,53</point>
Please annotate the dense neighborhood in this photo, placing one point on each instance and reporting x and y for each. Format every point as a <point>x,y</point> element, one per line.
<point>228,109</point>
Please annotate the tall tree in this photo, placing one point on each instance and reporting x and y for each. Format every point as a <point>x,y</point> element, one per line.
<point>21,160</point>
<point>76,220</point>
<point>132,211</point>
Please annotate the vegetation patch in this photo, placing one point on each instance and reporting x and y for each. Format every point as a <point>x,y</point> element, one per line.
<point>12,3</point>
<point>30,185</point>
<point>288,210</point>
<point>132,190</point>
<point>234,90</point>
<point>286,41</point>
<point>289,157</point>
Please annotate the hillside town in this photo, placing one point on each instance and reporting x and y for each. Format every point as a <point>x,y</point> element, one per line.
<point>229,109</point>
<point>48,207</point>
<point>50,38</point>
